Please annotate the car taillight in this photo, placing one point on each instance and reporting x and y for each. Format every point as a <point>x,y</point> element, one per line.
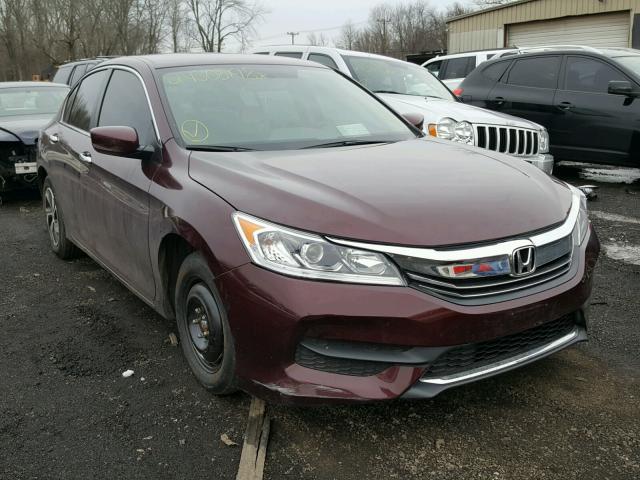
<point>458,92</point>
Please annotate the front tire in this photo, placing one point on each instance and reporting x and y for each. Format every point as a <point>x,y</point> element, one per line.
<point>204,331</point>
<point>60,244</point>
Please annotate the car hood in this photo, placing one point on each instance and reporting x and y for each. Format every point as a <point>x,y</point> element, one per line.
<point>423,192</point>
<point>435,109</point>
<point>25,128</point>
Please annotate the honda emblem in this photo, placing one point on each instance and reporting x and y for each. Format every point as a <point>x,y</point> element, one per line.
<point>523,261</point>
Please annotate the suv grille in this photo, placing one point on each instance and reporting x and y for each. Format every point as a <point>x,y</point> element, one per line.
<point>513,141</point>
<point>468,357</point>
<point>552,261</point>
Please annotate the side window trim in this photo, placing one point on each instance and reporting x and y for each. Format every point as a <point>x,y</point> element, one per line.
<point>156,130</point>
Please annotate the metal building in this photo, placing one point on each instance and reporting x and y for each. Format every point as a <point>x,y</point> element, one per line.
<point>527,23</point>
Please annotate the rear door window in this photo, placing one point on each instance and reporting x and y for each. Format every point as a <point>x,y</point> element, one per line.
<point>62,75</point>
<point>540,72</point>
<point>590,75</point>
<point>434,68</point>
<point>77,73</point>
<point>459,67</point>
<point>289,54</point>
<point>85,104</point>
<point>496,70</point>
<point>323,59</point>
<point>125,104</point>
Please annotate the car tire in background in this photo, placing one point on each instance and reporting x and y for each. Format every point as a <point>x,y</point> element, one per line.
<point>60,244</point>
<point>204,331</point>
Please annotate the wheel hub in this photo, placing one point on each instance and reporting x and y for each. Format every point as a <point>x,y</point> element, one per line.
<point>205,329</point>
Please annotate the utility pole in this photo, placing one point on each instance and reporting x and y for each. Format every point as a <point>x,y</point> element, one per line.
<point>384,22</point>
<point>293,36</point>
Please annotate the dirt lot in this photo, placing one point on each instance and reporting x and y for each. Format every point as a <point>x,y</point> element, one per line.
<point>69,330</point>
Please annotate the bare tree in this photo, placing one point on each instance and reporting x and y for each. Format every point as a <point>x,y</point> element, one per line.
<point>317,40</point>
<point>216,21</point>
<point>348,36</point>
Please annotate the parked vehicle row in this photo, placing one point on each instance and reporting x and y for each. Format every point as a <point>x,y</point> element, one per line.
<point>25,108</point>
<point>409,88</point>
<point>588,99</point>
<point>310,242</point>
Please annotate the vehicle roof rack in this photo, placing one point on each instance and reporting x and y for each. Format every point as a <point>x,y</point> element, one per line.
<point>543,48</point>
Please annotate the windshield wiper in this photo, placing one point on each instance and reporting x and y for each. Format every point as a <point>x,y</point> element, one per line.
<point>219,148</point>
<point>348,143</point>
<point>389,91</point>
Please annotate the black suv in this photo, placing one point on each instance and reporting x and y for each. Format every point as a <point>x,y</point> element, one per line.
<point>70,73</point>
<point>587,98</point>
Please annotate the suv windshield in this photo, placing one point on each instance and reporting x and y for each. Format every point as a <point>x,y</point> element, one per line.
<point>632,63</point>
<point>274,107</point>
<point>30,101</point>
<point>388,76</point>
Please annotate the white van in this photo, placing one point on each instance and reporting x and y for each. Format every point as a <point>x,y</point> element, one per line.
<point>453,69</point>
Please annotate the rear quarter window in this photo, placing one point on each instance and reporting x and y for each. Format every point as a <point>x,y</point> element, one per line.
<point>62,75</point>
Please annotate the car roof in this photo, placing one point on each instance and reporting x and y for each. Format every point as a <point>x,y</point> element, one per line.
<point>86,60</point>
<point>318,49</point>
<point>32,84</point>
<point>168,60</point>
<point>471,53</point>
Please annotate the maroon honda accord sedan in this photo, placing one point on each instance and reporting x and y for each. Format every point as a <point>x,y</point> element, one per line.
<point>309,242</point>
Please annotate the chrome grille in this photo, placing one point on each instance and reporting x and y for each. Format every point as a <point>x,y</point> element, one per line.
<point>552,261</point>
<point>520,142</point>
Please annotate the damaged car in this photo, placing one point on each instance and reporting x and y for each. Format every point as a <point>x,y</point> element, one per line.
<point>309,242</point>
<point>25,108</point>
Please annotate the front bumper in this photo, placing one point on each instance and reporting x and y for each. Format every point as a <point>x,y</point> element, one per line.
<point>543,161</point>
<point>272,315</point>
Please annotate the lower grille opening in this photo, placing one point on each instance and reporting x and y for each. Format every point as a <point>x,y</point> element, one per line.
<point>342,366</point>
<point>471,356</point>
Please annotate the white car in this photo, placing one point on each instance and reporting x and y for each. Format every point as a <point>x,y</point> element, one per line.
<point>409,88</point>
<point>453,69</point>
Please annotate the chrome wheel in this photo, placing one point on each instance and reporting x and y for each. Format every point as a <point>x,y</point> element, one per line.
<point>51,212</point>
<point>205,328</point>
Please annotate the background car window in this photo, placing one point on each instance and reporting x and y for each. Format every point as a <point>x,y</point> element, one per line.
<point>495,71</point>
<point>459,67</point>
<point>289,54</point>
<point>434,68</point>
<point>85,103</point>
<point>541,72</point>
<point>125,104</point>
<point>77,73</point>
<point>323,59</point>
<point>590,75</point>
<point>62,75</point>
<point>19,101</point>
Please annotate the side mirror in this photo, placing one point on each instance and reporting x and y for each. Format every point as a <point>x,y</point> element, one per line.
<point>617,87</point>
<point>415,119</point>
<point>121,141</point>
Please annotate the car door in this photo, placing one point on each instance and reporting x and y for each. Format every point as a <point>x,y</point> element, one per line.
<point>528,90</point>
<point>591,124</point>
<point>119,185</point>
<point>70,144</point>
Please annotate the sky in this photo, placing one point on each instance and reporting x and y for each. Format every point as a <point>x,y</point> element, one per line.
<point>319,16</point>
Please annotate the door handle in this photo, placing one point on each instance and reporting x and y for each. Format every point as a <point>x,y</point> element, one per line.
<point>85,157</point>
<point>565,106</point>
<point>498,100</point>
<point>54,138</point>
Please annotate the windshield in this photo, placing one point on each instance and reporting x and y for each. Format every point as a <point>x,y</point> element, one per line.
<point>632,63</point>
<point>389,76</point>
<point>30,101</point>
<point>274,107</point>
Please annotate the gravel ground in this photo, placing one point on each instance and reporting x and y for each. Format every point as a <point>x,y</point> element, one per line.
<point>69,330</point>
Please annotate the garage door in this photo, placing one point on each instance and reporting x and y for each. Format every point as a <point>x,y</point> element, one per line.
<point>605,30</point>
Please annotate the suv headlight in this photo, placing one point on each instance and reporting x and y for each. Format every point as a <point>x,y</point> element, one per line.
<point>543,146</point>
<point>305,255</point>
<point>582,223</point>
<point>450,129</point>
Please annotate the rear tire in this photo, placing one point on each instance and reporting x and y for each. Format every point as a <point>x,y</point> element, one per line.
<point>60,244</point>
<point>204,331</point>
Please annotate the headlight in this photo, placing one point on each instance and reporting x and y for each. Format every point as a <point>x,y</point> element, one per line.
<point>543,146</point>
<point>582,223</point>
<point>301,254</point>
<point>449,129</point>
